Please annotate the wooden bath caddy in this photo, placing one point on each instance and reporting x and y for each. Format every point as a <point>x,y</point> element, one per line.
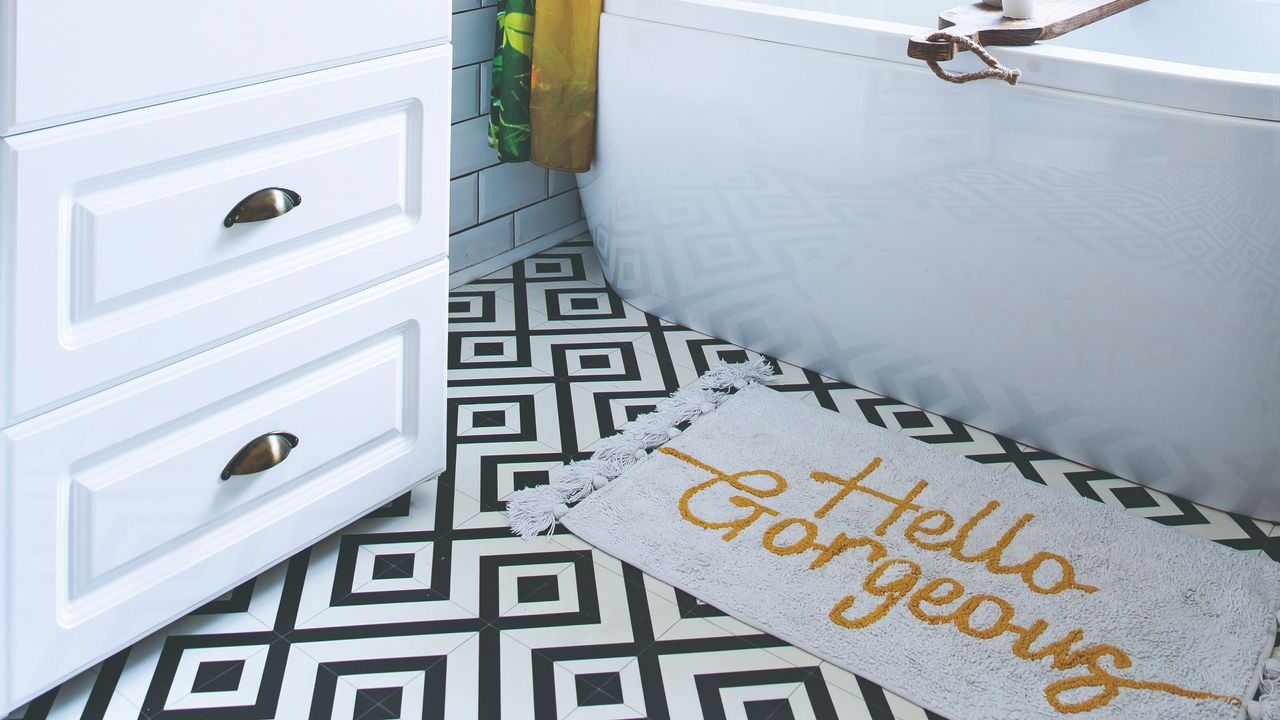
<point>988,25</point>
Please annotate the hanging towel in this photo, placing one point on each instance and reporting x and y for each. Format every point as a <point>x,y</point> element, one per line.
<point>562,106</point>
<point>512,66</point>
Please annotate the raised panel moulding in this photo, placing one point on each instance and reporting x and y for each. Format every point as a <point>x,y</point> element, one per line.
<point>114,534</point>
<point>114,221</point>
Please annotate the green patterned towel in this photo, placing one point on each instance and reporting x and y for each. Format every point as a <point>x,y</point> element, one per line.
<point>512,67</point>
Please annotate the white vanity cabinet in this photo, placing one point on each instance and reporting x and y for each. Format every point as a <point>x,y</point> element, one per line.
<point>223,288</point>
<point>69,60</point>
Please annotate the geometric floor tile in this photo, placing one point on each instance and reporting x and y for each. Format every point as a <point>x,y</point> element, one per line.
<point>430,608</point>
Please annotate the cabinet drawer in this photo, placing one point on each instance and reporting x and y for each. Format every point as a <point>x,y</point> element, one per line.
<point>119,259</point>
<point>119,519</point>
<point>70,59</point>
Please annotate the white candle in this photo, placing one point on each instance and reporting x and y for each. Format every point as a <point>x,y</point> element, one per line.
<point>1019,9</point>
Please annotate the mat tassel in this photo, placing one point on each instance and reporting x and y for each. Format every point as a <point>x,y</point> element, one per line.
<point>724,376</point>
<point>579,478</point>
<point>689,402</point>
<point>534,511</point>
<point>1267,706</point>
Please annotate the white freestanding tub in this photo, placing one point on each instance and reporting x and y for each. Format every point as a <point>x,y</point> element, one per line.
<point>1088,262</point>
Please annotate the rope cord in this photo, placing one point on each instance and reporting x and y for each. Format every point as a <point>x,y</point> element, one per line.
<point>993,70</point>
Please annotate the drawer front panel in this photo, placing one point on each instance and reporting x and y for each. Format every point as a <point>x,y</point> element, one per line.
<point>122,262</point>
<point>352,175</point>
<point>125,522</point>
<point>71,60</point>
<point>113,524</point>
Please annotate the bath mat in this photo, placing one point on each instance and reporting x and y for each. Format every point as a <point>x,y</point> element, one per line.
<point>971,592</point>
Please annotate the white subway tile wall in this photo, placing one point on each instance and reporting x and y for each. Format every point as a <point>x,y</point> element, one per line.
<point>466,101</point>
<point>482,242</point>
<point>463,203</point>
<point>558,182</point>
<point>494,209</point>
<point>507,188</point>
<point>545,217</point>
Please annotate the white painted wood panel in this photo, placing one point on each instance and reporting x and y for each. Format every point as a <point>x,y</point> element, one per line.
<point>117,521</point>
<point>116,258</point>
<point>347,402</point>
<point>71,59</point>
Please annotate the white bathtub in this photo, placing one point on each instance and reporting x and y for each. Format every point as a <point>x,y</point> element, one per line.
<point>1088,262</point>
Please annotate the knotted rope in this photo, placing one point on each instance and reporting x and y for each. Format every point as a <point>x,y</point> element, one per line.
<point>994,68</point>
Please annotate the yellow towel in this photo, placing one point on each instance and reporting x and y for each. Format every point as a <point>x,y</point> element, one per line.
<point>562,105</point>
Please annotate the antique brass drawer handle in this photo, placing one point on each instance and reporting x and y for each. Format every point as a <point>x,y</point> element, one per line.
<point>262,453</point>
<point>263,205</point>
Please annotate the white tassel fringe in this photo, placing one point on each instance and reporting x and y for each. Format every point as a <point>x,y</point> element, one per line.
<point>533,511</point>
<point>723,376</point>
<point>650,430</point>
<point>689,402</point>
<point>622,450</point>
<point>579,478</point>
<point>1267,706</point>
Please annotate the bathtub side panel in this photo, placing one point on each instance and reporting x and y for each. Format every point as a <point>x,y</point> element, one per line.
<point>1097,278</point>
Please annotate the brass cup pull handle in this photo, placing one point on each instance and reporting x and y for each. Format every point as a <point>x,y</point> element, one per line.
<point>263,205</point>
<point>262,453</point>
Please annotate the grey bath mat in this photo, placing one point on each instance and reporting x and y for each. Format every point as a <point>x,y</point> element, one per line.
<point>969,591</point>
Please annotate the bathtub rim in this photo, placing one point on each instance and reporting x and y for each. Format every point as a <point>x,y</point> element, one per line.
<point>1197,88</point>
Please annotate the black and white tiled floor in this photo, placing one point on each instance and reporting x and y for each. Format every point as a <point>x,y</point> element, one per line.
<point>429,608</point>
